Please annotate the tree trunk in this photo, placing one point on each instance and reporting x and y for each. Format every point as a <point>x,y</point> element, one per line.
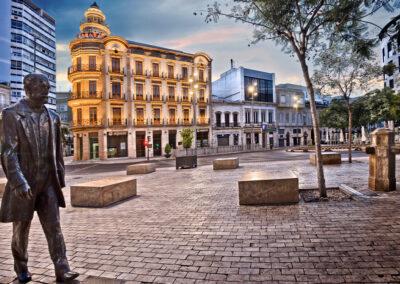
<point>315,120</point>
<point>350,129</point>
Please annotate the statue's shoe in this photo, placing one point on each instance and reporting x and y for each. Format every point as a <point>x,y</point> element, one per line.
<point>24,277</point>
<point>67,276</point>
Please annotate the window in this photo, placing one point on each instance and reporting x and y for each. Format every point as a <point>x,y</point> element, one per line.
<point>92,88</point>
<point>255,116</point>
<point>218,119</point>
<point>17,65</point>
<point>270,117</point>
<point>391,84</point>
<point>186,115</point>
<point>115,65</point>
<point>79,64</point>
<point>92,62</point>
<point>287,118</point>
<point>139,116</point>
<point>156,71</point>
<point>263,116</point>
<point>383,54</point>
<point>116,89</point>
<point>139,67</point>
<point>185,73</point>
<point>116,116</point>
<point>201,75</point>
<point>157,116</point>
<point>171,92</point>
<point>202,112</point>
<point>389,47</point>
<point>156,91</point>
<point>202,98</point>
<point>78,88</point>
<point>185,92</point>
<point>235,119</point>
<point>227,118</point>
<point>139,91</point>
<point>283,99</point>
<point>170,71</point>
<point>171,114</point>
<point>247,116</point>
<point>93,115</point>
<point>79,116</point>
<point>263,87</point>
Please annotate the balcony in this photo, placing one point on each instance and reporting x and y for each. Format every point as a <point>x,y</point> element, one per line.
<point>203,121</point>
<point>186,121</point>
<point>186,100</point>
<point>226,125</point>
<point>140,121</point>
<point>203,100</point>
<point>156,98</point>
<point>116,71</point>
<point>156,122</point>
<point>140,97</point>
<point>117,96</point>
<point>138,72</point>
<point>84,68</point>
<point>172,121</point>
<point>155,74</point>
<point>117,123</point>
<point>86,123</point>
<point>86,95</point>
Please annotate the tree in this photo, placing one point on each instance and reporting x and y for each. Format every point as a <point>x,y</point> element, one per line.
<point>383,105</point>
<point>302,27</point>
<point>342,70</point>
<point>187,138</point>
<point>334,116</point>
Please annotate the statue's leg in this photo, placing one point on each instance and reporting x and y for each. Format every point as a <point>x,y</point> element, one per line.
<point>49,216</point>
<point>19,246</point>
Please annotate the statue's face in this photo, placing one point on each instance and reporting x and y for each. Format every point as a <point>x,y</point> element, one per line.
<point>37,89</point>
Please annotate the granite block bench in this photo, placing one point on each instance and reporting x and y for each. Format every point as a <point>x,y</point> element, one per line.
<point>138,169</point>
<point>332,158</point>
<point>268,188</point>
<point>226,163</point>
<point>103,192</point>
<point>3,182</point>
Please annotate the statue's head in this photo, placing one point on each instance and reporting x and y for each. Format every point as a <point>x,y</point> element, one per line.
<point>37,88</point>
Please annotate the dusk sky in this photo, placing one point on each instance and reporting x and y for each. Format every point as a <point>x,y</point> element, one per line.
<point>171,24</point>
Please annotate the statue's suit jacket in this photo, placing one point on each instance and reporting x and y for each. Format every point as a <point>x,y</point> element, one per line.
<point>19,158</point>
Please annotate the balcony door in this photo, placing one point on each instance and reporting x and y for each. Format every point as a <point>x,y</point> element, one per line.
<point>115,64</point>
<point>117,116</point>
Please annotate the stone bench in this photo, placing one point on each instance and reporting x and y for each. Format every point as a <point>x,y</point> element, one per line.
<point>138,169</point>
<point>331,158</point>
<point>103,192</point>
<point>268,188</point>
<point>226,163</point>
<point>3,182</point>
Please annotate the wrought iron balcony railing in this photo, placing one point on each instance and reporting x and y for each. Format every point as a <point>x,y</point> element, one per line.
<point>86,95</point>
<point>84,68</point>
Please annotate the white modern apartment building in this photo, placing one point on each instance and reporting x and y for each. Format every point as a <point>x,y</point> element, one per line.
<point>33,47</point>
<point>244,108</point>
<point>390,43</point>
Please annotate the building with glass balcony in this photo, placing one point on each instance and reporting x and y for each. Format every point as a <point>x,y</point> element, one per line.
<point>244,108</point>
<point>126,95</point>
<point>33,47</point>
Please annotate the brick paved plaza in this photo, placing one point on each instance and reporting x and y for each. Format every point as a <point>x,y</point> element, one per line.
<point>186,227</point>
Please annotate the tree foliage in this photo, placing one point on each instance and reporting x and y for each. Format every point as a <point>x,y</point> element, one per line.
<point>187,138</point>
<point>334,116</point>
<point>382,105</point>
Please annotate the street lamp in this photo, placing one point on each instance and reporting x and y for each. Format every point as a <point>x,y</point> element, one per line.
<point>252,91</point>
<point>296,103</point>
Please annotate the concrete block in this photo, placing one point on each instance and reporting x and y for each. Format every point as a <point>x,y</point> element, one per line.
<point>226,163</point>
<point>268,188</point>
<point>103,192</point>
<point>139,169</point>
<point>3,182</point>
<point>328,158</point>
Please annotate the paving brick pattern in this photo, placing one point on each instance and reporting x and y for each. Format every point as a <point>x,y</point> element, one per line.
<point>186,227</point>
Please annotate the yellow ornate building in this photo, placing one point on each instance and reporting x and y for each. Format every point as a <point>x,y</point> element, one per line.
<point>126,94</point>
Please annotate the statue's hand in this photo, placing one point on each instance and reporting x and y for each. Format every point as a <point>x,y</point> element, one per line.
<point>23,192</point>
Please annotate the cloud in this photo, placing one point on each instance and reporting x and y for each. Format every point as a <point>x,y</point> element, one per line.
<point>62,47</point>
<point>216,35</point>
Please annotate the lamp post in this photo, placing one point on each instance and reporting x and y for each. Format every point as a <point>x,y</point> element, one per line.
<point>296,102</point>
<point>252,90</point>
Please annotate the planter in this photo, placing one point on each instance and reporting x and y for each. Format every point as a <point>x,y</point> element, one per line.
<point>186,162</point>
<point>167,155</point>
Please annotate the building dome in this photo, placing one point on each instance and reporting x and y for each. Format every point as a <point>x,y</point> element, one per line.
<point>94,24</point>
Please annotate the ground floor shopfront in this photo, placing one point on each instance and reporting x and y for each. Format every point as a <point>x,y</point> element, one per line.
<point>133,143</point>
<point>246,136</point>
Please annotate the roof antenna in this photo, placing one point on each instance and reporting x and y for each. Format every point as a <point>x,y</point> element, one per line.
<point>232,64</point>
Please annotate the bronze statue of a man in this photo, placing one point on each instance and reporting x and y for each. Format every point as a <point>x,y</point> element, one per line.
<point>32,159</point>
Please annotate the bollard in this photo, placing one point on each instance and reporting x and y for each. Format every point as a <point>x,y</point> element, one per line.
<point>382,160</point>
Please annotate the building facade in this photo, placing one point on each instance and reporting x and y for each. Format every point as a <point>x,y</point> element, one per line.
<point>64,111</point>
<point>5,92</point>
<point>33,47</point>
<point>5,49</point>
<point>390,44</point>
<point>244,108</point>
<point>294,121</point>
<point>127,95</point>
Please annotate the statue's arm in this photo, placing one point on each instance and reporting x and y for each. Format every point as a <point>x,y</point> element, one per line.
<point>59,153</point>
<point>9,152</point>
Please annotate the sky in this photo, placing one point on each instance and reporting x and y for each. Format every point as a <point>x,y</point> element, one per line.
<point>172,24</point>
